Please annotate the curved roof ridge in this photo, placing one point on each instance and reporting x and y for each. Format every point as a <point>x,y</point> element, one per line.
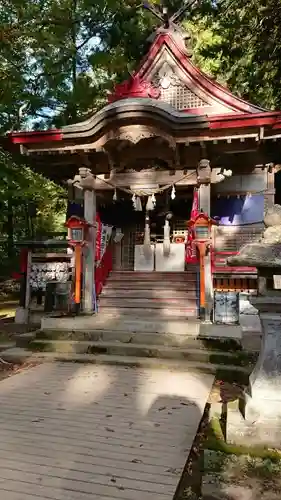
<point>201,79</point>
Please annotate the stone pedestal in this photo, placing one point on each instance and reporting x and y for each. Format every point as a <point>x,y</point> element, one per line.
<point>262,408</point>
<point>264,399</point>
<point>21,316</point>
<point>259,423</point>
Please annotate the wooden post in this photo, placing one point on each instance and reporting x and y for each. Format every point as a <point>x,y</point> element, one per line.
<point>28,271</point>
<point>78,274</point>
<point>87,182</point>
<point>202,282</point>
<point>22,312</point>
<point>204,180</point>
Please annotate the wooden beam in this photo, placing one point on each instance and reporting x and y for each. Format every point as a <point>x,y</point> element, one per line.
<point>143,178</point>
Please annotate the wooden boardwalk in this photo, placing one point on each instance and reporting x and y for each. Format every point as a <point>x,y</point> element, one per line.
<point>88,432</point>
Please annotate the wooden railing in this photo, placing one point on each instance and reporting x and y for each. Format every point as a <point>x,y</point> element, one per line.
<point>103,269</point>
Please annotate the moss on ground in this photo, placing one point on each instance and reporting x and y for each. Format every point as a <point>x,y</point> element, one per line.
<point>215,441</point>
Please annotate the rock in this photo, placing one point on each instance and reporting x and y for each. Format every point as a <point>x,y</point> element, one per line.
<point>267,251</point>
<point>273,216</point>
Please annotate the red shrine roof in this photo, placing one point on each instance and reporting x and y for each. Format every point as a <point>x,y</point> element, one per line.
<point>167,77</point>
<point>167,74</point>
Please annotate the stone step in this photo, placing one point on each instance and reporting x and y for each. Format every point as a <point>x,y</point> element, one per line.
<point>20,355</point>
<point>150,302</point>
<point>191,339</point>
<point>128,323</point>
<point>164,313</point>
<point>138,350</point>
<point>23,339</point>
<point>6,345</point>
<point>146,294</point>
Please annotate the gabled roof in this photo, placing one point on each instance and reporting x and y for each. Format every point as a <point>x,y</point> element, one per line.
<point>167,89</point>
<point>167,74</point>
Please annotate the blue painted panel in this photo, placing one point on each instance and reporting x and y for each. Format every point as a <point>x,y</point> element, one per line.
<point>235,211</point>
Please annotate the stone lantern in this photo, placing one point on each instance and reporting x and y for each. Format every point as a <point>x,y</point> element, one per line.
<point>263,399</point>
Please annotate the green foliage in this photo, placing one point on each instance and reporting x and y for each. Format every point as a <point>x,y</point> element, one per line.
<point>30,206</point>
<point>245,47</point>
<point>29,189</point>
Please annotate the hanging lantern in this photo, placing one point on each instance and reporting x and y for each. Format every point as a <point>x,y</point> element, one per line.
<point>115,195</point>
<point>173,193</point>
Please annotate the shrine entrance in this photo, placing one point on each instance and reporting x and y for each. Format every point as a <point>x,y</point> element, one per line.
<point>154,239</point>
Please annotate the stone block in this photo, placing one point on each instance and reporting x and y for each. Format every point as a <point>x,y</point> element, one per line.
<point>250,323</point>
<point>261,433</point>
<point>245,305</point>
<point>22,315</point>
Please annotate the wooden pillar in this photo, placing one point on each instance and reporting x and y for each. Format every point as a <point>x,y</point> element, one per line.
<point>118,256</point>
<point>204,181</point>
<point>88,185</point>
<point>22,312</point>
<point>269,198</point>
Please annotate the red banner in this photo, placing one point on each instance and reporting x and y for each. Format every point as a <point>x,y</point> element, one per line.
<point>191,253</point>
<point>98,238</point>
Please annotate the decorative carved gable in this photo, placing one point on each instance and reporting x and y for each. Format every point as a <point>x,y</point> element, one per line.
<point>168,68</point>
<point>174,90</point>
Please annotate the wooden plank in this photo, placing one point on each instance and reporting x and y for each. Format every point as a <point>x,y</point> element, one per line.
<point>97,432</point>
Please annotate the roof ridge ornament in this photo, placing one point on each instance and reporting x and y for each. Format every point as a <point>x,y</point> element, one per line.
<point>170,23</point>
<point>134,87</point>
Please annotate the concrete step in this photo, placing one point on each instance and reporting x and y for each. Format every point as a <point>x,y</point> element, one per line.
<point>190,339</point>
<point>146,294</point>
<point>6,345</point>
<point>150,302</point>
<point>19,355</point>
<point>139,350</point>
<point>127,323</point>
<point>164,312</point>
<point>23,339</point>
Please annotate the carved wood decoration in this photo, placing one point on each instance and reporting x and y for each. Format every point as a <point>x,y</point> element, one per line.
<point>174,90</point>
<point>134,87</point>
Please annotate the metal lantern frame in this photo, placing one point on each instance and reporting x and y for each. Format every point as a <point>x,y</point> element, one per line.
<point>78,229</point>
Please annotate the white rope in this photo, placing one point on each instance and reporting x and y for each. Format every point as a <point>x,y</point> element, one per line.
<point>145,192</point>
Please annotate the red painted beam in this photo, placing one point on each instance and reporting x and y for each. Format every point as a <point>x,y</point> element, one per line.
<point>36,137</point>
<point>268,118</point>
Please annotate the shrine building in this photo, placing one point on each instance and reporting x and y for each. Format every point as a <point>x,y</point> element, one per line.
<point>172,155</point>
